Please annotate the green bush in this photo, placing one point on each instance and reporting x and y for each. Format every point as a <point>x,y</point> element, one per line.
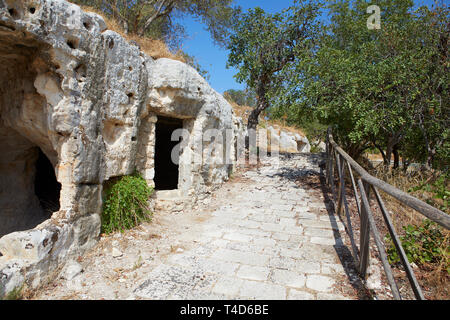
<point>422,244</point>
<point>15,294</point>
<point>439,189</point>
<point>125,203</point>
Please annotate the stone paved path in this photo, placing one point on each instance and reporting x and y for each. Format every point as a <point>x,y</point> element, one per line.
<point>260,236</point>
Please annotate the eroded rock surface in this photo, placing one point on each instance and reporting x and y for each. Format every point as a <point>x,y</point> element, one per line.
<point>85,102</point>
<point>286,142</point>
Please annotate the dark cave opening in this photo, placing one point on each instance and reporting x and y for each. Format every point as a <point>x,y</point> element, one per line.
<point>46,187</point>
<point>166,171</point>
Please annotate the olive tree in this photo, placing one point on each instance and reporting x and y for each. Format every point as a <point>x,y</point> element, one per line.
<point>156,17</point>
<point>264,46</point>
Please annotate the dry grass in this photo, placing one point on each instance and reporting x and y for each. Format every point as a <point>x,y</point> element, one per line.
<point>434,278</point>
<point>244,112</point>
<point>240,111</point>
<point>405,181</point>
<point>280,125</point>
<point>154,48</point>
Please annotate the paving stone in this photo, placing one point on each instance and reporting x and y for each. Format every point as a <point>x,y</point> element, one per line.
<point>285,214</point>
<point>293,230</point>
<point>332,268</point>
<point>262,291</point>
<point>256,232</point>
<point>328,296</point>
<point>184,259</point>
<point>249,224</point>
<point>300,295</point>
<point>298,239</point>
<point>288,221</point>
<point>253,273</point>
<point>272,227</point>
<point>220,243</point>
<point>308,266</point>
<point>323,224</point>
<point>281,207</point>
<point>316,224</point>
<point>245,247</point>
<point>319,283</point>
<point>284,263</point>
<point>165,279</point>
<point>228,286</point>
<point>280,236</point>
<point>288,278</point>
<point>203,250</point>
<point>209,265</point>
<point>316,252</point>
<point>264,218</point>
<point>155,289</point>
<point>314,232</point>
<point>237,237</point>
<point>264,241</point>
<point>302,209</point>
<point>331,218</point>
<point>316,205</point>
<point>249,258</point>
<point>291,253</point>
<point>305,216</point>
<point>201,295</point>
<point>324,241</point>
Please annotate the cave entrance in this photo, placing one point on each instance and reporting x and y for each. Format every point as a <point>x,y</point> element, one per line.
<point>166,171</point>
<point>29,191</point>
<point>46,187</point>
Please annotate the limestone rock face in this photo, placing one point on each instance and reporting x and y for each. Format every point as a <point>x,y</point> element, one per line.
<point>80,103</point>
<point>287,142</point>
<point>321,146</point>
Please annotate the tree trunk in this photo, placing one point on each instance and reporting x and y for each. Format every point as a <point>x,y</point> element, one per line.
<point>406,163</point>
<point>392,148</point>
<point>387,159</point>
<point>160,12</point>
<point>253,118</point>
<point>430,159</point>
<point>381,151</point>
<point>396,157</point>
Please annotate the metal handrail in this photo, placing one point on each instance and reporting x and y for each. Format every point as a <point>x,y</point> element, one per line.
<point>338,160</point>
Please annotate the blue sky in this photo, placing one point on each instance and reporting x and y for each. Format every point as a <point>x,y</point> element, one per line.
<point>214,59</point>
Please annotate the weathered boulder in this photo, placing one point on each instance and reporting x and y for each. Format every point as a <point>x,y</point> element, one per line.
<point>287,143</point>
<point>303,144</point>
<point>284,141</point>
<point>79,105</point>
<point>321,146</point>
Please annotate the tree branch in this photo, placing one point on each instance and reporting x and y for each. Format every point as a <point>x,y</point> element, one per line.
<point>160,12</point>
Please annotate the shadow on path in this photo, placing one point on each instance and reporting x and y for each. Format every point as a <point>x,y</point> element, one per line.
<point>315,180</point>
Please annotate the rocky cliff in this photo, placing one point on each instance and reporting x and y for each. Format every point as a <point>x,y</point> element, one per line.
<point>79,102</point>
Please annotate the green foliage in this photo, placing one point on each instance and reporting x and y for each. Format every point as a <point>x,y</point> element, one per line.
<point>125,203</point>
<point>439,188</point>
<point>264,46</point>
<point>423,244</point>
<point>385,87</point>
<point>15,294</point>
<point>155,18</point>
